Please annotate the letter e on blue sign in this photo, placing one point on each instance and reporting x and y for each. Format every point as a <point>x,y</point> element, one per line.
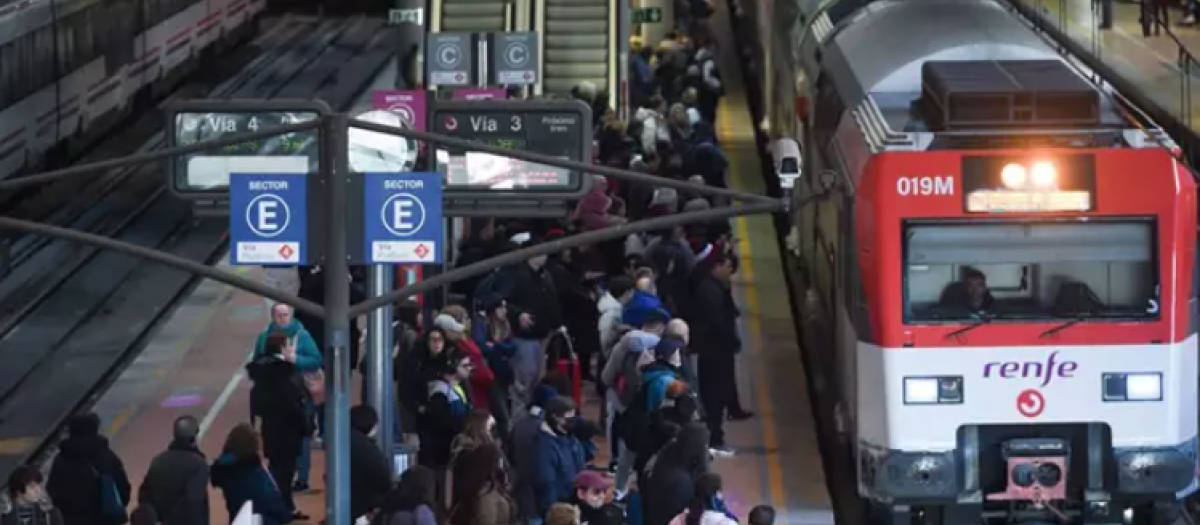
<point>268,223</point>
<point>403,221</point>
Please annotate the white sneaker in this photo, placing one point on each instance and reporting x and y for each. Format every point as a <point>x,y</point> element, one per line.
<point>721,452</point>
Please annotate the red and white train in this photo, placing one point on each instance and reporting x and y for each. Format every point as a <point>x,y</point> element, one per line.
<point>1004,263</point>
<point>69,69</point>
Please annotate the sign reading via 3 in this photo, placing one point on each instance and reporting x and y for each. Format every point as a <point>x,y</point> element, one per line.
<point>267,219</point>
<point>402,218</point>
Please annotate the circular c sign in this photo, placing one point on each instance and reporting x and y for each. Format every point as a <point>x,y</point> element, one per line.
<point>1031,403</point>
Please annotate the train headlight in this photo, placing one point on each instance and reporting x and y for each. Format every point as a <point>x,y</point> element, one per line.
<point>937,390</point>
<point>1044,174</point>
<point>1142,386</point>
<point>1013,175</point>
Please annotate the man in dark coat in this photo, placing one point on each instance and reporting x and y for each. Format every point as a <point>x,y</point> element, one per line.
<point>713,319</point>
<point>534,313</point>
<point>370,472</point>
<point>75,478</point>
<point>176,485</point>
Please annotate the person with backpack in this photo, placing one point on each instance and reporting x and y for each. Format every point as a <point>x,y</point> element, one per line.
<point>621,377</point>
<point>87,482</point>
<point>660,371</point>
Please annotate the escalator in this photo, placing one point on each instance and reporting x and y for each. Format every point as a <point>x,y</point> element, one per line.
<point>471,16</point>
<point>580,44</point>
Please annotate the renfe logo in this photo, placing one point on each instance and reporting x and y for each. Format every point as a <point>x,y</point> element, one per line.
<point>1045,371</point>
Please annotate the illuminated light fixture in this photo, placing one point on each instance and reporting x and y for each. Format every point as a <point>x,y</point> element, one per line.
<point>1013,175</point>
<point>1044,174</point>
<point>944,390</point>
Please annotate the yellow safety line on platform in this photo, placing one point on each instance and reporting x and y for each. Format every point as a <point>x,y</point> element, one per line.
<point>754,309</point>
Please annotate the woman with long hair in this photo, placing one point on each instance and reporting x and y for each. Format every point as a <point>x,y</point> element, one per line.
<point>413,501</point>
<point>481,495</point>
<point>240,475</point>
<point>479,430</point>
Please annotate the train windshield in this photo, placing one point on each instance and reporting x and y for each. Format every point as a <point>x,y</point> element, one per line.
<point>1005,271</point>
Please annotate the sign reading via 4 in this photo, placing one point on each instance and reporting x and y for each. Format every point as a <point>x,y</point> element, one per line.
<point>402,220</point>
<point>268,219</point>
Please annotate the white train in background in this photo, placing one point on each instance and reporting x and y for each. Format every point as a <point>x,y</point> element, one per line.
<point>70,69</point>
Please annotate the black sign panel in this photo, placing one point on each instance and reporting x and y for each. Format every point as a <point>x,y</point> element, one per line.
<point>1029,184</point>
<point>207,173</point>
<point>560,128</point>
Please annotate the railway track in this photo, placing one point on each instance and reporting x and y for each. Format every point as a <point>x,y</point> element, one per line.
<point>72,317</point>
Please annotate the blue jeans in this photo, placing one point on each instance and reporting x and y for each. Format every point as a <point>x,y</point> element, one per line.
<point>304,464</point>
<point>527,364</point>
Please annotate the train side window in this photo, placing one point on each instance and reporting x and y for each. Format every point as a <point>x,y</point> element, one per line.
<point>827,115</point>
<point>45,54</point>
<point>5,76</point>
<point>66,49</point>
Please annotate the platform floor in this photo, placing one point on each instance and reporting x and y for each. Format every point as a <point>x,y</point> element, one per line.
<point>194,366</point>
<point>1152,63</point>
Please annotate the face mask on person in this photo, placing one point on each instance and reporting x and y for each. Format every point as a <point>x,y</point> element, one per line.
<point>593,498</point>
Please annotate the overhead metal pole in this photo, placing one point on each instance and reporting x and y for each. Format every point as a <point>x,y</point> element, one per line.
<point>379,346</point>
<point>335,164</point>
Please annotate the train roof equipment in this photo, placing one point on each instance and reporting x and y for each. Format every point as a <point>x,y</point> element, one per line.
<point>1017,93</point>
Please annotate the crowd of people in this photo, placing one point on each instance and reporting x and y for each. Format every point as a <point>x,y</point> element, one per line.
<point>490,385</point>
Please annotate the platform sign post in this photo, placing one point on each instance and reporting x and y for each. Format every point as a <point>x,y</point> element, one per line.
<point>268,220</point>
<point>402,222</point>
<point>450,59</point>
<point>515,58</point>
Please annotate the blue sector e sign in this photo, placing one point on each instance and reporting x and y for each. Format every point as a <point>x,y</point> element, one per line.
<point>267,223</point>
<point>403,218</point>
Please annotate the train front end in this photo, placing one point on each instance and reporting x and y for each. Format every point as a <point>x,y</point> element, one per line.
<point>1035,348</point>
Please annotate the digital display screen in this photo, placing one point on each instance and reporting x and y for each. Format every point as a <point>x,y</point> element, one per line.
<point>502,173</point>
<point>984,201</point>
<point>553,132</point>
<point>209,170</point>
<point>1029,184</point>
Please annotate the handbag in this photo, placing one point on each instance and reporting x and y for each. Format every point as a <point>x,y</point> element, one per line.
<point>314,382</point>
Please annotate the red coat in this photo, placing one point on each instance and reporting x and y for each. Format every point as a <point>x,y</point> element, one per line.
<point>482,377</point>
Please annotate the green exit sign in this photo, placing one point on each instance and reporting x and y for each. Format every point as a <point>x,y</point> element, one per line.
<point>649,15</point>
<point>400,16</point>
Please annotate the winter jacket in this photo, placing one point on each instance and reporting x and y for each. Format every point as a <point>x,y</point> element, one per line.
<point>482,377</point>
<point>712,314</point>
<point>422,515</point>
<point>494,508</point>
<point>283,403</point>
<point>308,354</point>
<point>610,322</point>
<point>559,458</point>
<point>533,293</point>
<point>523,454</point>
<point>370,474</point>
<point>620,371</point>
<point>176,485</point>
<point>710,517</point>
<point>74,482</point>
<point>41,513</point>
<point>639,307</point>
<point>245,479</point>
<point>654,129</point>
<point>444,415</point>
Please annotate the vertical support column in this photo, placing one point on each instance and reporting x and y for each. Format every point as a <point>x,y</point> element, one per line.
<point>335,164</point>
<point>410,41</point>
<point>483,60</point>
<point>379,381</point>
<point>624,31</point>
